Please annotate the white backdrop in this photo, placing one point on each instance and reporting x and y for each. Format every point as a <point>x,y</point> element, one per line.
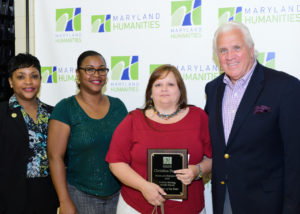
<point>135,36</point>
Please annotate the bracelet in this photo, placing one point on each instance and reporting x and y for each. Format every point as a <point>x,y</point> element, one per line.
<point>200,172</point>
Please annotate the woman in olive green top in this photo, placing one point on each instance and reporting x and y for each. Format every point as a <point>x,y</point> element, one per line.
<point>79,135</point>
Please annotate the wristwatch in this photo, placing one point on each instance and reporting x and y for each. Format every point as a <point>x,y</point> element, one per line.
<point>200,172</point>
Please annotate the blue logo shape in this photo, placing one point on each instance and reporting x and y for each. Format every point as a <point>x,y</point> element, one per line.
<point>267,59</point>
<point>101,23</point>
<point>186,13</point>
<point>230,14</point>
<point>49,74</point>
<point>68,19</point>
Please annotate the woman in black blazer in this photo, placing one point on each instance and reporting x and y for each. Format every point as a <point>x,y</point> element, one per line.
<point>25,183</point>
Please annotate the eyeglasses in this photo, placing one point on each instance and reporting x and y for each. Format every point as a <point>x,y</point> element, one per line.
<point>92,71</point>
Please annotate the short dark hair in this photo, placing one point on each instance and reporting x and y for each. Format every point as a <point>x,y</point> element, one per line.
<point>22,60</point>
<point>85,54</point>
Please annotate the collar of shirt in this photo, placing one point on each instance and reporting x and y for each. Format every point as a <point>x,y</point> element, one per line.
<point>243,82</point>
<point>13,102</point>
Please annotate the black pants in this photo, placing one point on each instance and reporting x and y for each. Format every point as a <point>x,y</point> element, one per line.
<point>38,197</point>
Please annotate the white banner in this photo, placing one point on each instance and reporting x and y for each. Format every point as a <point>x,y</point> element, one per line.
<point>135,36</point>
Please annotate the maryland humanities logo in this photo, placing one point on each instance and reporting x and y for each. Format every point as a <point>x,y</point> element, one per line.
<point>186,13</point>
<point>194,72</point>
<point>124,73</point>
<point>230,14</point>
<point>285,13</point>
<point>54,74</point>
<point>267,59</point>
<point>198,72</point>
<point>127,22</point>
<point>186,19</point>
<point>49,74</point>
<point>101,23</point>
<point>68,25</point>
<point>68,19</point>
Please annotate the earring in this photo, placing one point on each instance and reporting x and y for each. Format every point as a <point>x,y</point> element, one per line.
<point>77,81</point>
<point>151,102</point>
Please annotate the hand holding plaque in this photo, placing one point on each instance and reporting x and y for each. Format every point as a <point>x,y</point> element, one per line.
<point>161,166</point>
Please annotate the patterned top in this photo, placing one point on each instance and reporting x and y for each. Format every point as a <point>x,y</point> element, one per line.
<point>37,165</point>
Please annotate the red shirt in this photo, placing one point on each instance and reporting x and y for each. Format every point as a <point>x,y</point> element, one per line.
<point>134,136</point>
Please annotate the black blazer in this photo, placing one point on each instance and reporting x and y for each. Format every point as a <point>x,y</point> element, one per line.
<point>14,154</point>
<point>260,163</point>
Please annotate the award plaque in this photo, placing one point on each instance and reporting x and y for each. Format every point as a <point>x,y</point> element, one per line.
<point>161,164</point>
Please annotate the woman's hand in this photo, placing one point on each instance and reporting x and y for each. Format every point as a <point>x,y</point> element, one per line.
<point>153,193</point>
<point>67,207</point>
<point>186,176</point>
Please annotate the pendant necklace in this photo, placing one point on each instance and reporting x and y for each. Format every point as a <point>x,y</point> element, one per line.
<point>166,116</point>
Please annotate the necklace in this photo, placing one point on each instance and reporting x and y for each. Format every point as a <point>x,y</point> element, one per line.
<point>166,116</point>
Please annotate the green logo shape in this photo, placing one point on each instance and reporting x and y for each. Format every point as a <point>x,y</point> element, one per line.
<point>186,13</point>
<point>267,59</point>
<point>99,23</point>
<point>68,19</point>
<point>153,67</point>
<point>96,22</point>
<point>49,74</point>
<point>230,14</point>
<point>124,67</point>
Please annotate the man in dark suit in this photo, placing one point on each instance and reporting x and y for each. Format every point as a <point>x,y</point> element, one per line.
<point>254,121</point>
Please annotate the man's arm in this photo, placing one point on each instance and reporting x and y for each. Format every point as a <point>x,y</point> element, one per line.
<point>289,123</point>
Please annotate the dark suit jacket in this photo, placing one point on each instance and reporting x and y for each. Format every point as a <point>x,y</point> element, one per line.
<point>262,168</point>
<point>14,154</point>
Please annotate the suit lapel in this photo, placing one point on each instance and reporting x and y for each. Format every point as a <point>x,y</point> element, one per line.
<point>220,94</point>
<point>17,117</point>
<point>246,106</point>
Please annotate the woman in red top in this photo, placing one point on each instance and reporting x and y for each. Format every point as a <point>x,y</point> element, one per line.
<point>166,122</point>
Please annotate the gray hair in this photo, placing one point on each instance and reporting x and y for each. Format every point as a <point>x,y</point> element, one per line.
<point>227,26</point>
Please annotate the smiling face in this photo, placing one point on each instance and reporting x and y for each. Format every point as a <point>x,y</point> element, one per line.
<point>235,57</point>
<point>165,91</point>
<point>26,83</point>
<point>92,83</point>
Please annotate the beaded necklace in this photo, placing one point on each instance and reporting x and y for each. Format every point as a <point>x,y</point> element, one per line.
<point>166,116</point>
